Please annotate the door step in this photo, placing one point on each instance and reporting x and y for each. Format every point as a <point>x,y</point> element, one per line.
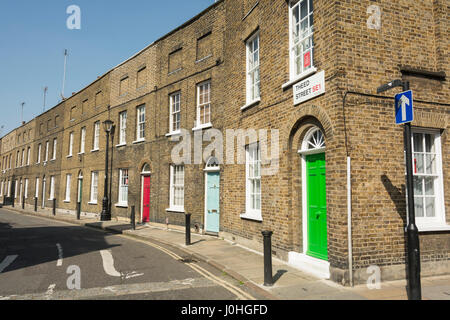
<point>314,266</point>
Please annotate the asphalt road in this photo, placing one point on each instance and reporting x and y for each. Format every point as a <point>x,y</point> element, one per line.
<point>41,259</point>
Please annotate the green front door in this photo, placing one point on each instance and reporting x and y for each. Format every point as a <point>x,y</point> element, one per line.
<point>317,206</point>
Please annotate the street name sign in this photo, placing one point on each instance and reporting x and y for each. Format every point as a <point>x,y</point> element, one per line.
<point>404,111</point>
<point>309,88</point>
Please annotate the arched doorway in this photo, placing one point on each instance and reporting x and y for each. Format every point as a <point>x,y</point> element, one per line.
<point>145,193</point>
<point>315,233</point>
<point>212,196</point>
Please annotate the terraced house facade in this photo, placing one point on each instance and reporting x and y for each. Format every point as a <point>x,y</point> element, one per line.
<point>321,161</point>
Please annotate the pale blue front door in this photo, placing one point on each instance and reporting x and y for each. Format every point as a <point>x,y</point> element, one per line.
<point>212,202</point>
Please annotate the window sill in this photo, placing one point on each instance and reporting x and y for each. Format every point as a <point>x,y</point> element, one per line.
<point>175,133</point>
<point>80,153</point>
<point>177,210</point>
<point>433,227</point>
<point>121,205</point>
<point>92,203</point>
<point>203,126</point>
<point>174,71</point>
<point>121,145</point>
<point>299,78</point>
<point>203,59</point>
<point>253,217</point>
<point>251,104</point>
<point>66,201</point>
<point>138,141</point>
<point>95,150</point>
<point>69,156</point>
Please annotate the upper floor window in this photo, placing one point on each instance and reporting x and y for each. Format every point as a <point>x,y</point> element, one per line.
<point>55,141</point>
<point>84,106</point>
<point>83,140</point>
<point>175,60</point>
<point>72,113</point>
<point>175,112</point>
<point>428,178</point>
<point>123,127</point>
<point>204,46</point>
<point>98,99</point>
<point>253,82</point>
<point>56,121</point>
<point>301,37</point>
<point>204,104</point>
<point>28,156</point>
<point>123,86</point>
<point>140,133</point>
<point>96,136</point>
<point>70,144</point>
<point>46,151</point>
<point>141,77</point>
<point>39,153</point>
<point>22,161</point>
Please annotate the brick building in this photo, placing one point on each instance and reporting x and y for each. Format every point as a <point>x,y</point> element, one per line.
<point>329,183</point>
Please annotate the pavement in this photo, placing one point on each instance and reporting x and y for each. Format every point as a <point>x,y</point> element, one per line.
<point>247,266</point>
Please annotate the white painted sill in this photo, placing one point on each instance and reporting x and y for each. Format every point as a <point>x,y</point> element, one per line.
<point>121,145</point>
<point>95,150</point>
<point>92,203</point>
<point>299,78</point>
<point>179,210</point>
<point>175,133</point>
<point>69,156</point>
<point>66,201</point>
<point>251,104</point>
<point>203,126</point>
<point>433,228</point>
<point>121,205</point>
<point>247,216</point>
<point>138,141</point>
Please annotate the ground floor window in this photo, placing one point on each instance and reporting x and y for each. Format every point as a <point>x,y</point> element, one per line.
<point>428,180</point>
<point>68,181</point>
<point>52,188</point>
<point>26,189</point>
<point>123,187</point>
<point>177,188</point>
<point>253,181</point>
<point>94,187</point>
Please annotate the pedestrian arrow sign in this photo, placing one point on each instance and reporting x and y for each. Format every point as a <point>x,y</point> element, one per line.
<point>404,111</point>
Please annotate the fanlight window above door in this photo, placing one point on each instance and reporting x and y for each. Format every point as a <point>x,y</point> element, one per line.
<point>315,140</point>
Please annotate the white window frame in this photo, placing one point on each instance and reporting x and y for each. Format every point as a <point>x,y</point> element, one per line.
<point>26,189</point>
<point>39,153</point>
<point>96,143</point>
<point>251,212</point>
<point>94,188</point>
<point>253,67</point>
<point>68,185</point>
<point>55,143</point>
<point>199,124</point>
<point>16,189</point>
<point>123,188</point>
<point>438,222</point>
<point>175,110</point>
<point>52,188</point>
<point>140,123</point>
<point>83,140</point>
<point>70,145</point>
<point>36,186</point>
<point>28,156</point>
<point>46,151</point>
<point>294,76</point>
<point>123,128</point>
<point>176,182</point>
<point>1,189</point>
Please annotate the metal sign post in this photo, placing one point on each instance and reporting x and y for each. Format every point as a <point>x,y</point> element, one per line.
<point>404,115</point>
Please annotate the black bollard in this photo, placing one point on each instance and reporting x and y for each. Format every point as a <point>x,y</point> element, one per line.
<point>78,210</point>
<point>54,207</point>
<point>188,229</point>
<point>268,276</point>
<point>35,204</point>
<point>23,202</point>
<point>133,217</point>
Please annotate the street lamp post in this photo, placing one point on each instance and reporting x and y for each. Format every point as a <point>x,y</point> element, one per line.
<point>106,212</point>
<point>413,244</point>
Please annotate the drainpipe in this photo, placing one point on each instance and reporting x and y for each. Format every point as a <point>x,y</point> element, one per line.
<point>349,219</point>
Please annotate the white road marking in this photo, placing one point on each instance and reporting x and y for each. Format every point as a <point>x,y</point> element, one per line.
<point>60,255</point>
<point>108,263</point>
<point>49,293</point>
<point>8,260</point>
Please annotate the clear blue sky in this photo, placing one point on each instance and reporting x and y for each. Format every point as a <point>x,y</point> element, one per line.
<point>33,36</point>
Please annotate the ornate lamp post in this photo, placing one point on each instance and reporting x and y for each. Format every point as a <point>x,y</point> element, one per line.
<point>106,213</point>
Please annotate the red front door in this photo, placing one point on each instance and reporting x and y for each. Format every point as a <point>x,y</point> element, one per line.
<point>146,201</point>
